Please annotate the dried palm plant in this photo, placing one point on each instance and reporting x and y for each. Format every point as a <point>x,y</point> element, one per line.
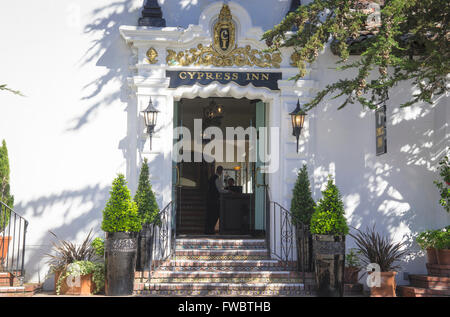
<point>66,252</point>
<point>377,249</point>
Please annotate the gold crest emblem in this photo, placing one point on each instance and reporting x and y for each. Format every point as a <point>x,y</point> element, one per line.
<point>224,32</point>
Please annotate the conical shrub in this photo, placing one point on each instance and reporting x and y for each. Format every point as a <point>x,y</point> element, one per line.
<point>121,212</point>
<point>145,198</point>
<point>302,203</point>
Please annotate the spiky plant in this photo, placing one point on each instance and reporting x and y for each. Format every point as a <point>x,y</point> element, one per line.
<point>378,249</point>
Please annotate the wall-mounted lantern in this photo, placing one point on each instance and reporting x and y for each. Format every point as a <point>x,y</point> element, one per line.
<point>298,119</point>
<point>150,118</point>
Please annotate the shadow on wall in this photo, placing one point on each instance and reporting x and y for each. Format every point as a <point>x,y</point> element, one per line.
<point>108,50</point>
<point>75,224</point>
<point>395,191</point>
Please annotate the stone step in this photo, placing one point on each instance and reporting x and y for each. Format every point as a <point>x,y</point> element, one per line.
<point>252,292</point>
<point>220,254</point>
<point>438,270</point>
<point>223,286</point>
<point>411,291</point>
<point>26,290</point>
<point>233,274</point>
<point>220,243</point>
<point>6,279</point>
<point>432,282</point>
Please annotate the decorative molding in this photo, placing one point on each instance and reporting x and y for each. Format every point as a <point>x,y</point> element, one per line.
<point>239,56</point>
<point>224,32</point>
<point>295,57</point>
<point>152,54</point>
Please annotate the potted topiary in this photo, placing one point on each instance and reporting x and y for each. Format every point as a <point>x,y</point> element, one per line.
<point>121,222</point>
<point>148,211</point>
<point>302,208</point>
<point>426,241</point>
<point>329,227</point>
<point>379,255</point>
<point>78,270</point>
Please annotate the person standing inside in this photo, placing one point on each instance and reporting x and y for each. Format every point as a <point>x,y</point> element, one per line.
<point>215,188</point>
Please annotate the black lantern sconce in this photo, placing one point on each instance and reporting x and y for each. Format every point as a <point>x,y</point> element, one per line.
<point>150,118</point>
<point>298,120</point>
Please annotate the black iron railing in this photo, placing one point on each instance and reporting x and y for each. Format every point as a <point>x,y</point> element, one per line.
<point>13,230</point>
<point>282,238</point>
<point>163,241</point>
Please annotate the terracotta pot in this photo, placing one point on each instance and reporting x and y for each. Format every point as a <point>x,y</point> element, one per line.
<point>432,256</point>
<point>84,288</point>
<point>443,256</point>
<point>351,275</point>
<point>4,245</point>
<point>387,285</point>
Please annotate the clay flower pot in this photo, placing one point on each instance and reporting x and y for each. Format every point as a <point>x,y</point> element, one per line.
<point>4,245</point>
<point>85,286</point>
<point>351,275</point>
<point>387,285</point>
<point>443,256</point>
<point>432,256</point>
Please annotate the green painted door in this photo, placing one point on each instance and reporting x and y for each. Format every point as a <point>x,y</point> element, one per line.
<point>260,179</point>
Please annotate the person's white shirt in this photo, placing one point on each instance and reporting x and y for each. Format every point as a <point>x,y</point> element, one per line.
<point>219,185</point>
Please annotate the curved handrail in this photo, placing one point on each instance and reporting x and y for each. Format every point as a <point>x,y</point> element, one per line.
<point>13,230</point>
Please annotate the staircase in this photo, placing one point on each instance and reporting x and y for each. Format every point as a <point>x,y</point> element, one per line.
<point>11,286</point>
<point>222,267</point>
<point>191,211</point>
<point>435,284</point>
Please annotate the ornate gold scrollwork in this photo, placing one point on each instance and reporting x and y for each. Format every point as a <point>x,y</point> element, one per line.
<point>224,50</point>
<point>152,54</point>
<point>295,57</point>
<point>239,56</point>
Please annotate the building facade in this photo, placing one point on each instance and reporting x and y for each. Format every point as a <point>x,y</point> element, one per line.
<point>89,70</point>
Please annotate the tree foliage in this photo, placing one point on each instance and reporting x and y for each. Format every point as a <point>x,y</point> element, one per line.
<point>121,212</point>
<point>410,44</point>
<point>5,195</point>
<point>145,198</point>
<point>5,88</point>
<point>302,203</point>
<point>328,217</point>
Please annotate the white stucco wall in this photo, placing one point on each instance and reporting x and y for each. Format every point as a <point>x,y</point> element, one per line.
<point>69,136</point>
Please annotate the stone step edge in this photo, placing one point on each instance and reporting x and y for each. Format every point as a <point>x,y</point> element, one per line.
<point>223,251</point>
<point>430,278</point>
<point>222,285</point>
<point>221,241</point>
<point>423,291</point>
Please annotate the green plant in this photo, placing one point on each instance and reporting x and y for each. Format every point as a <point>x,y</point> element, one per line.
<point>121,212</point>
<point>426,239</point>
<point>302,204</point>
<point>328,217</point>
<point>352,258</point>
<point>444,184</point>
<point>66,253</point>
<point>98,244</point>
<point>145,198</point>
<point>442,238</point>
<point>409,44</point>
<point>80,268</point>
<point>5,195</point>
<point>377,249</point>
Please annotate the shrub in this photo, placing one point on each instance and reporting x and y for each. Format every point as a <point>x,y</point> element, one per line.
<point>80,268</point>
<point>442,238</point>
<point>121,212</point>
<point>426,239</point>
<point>98,244</point>
<point>328,217</point>
<point>302,204</point>
<point>5,195</point>
<point>352,258</point>
<point>145,198</point>
<point>379,250</point>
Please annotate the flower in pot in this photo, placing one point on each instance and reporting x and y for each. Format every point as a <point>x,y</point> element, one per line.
<point>352,266</point>
<point>442,245</point>
<point>148,211</point>
<point>426,241</point>
<point>302,208</point>
<point>122,223</point>
<point>329,227</point>
<point>77,269</point>
<point>379,254</point>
